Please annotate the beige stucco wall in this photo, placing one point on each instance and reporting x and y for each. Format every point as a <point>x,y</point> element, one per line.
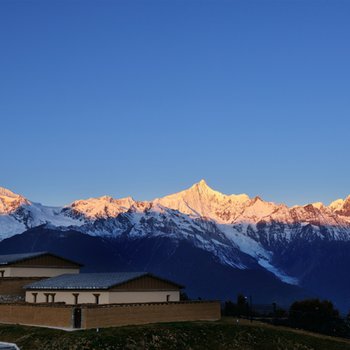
<point>68,297</point>
<point>35,271</point>
<point>87,297</point>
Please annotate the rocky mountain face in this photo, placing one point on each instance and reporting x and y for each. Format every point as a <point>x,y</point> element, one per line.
<point>10,202</point>
<point>17,214</point>
<point>237,231</point>
<point>202,274</point>
<point>342,208</point>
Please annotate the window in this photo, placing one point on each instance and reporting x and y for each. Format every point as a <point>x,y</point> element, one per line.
<point>2,273</point>
<point>76,296</point>
<point>97,298</point>
<point>168,297</point>
<point>35,297</point>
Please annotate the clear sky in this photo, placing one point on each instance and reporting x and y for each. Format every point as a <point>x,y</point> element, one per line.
<point>144,98</point>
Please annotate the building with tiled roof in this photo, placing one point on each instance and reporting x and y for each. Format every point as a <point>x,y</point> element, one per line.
<point>37,264</point>
<point>103,288</point>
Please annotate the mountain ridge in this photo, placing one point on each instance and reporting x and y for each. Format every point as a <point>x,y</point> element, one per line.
<point>200,188</point>
<point>230,227</point>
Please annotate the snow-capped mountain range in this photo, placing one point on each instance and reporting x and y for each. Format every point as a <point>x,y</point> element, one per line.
<point>241,232</point>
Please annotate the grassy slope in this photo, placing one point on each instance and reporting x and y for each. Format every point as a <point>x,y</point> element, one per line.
<point>225,334</point>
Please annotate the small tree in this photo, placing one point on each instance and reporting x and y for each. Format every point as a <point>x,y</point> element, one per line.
<point>230,308</point>
<point>184,296</point>
<point>314,315</point>
<point>242,305</point>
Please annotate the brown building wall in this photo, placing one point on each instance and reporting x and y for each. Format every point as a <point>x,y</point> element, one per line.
<point>120,315</point>
<point>46,260</point>
<point>99,316</point>
<point>14,285</point>
<point>36,315</point>
<point>41,271</point>
<point>146,283</point>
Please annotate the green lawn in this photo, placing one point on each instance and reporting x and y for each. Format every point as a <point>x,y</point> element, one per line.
<point>225,334</point>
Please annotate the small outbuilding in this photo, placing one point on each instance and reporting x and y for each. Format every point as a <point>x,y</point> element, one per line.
<point>38,264</point>
<point>103,288</point>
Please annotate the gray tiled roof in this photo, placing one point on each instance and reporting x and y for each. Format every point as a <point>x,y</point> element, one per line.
<point>104,280</point>
<point>8,346</point>
<point>11,258</point>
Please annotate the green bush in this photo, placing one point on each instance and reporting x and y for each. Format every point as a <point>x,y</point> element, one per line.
<point>317,316</point>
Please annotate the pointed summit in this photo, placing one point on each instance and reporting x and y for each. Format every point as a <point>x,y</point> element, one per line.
<point>200,200</point>
<point>202,183</point>
<point>10,201</point>
<point>202,187</point>
<point>4,192</point>
<point>341,206</point>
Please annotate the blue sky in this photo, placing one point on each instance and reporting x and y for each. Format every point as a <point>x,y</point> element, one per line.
<point>144,98</point>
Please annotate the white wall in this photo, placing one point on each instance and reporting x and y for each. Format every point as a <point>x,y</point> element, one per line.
<point>68,297</point>
<point>35,271</point>
<point>87,297</point>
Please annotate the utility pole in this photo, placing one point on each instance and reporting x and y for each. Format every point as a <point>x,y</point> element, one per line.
<point>274,306</point>
<point>251,308</point>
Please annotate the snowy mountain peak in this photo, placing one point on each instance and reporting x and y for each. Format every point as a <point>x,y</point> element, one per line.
<point>4,192</point>
<point>106,198</point>
<point>337,204</point>
<point>341,207</point>
<point>203,189</point>
<point>318,205</point>
<point>257,199</point>
<point>202,183</point>
<point>219,223</point>
<point>202,186</point>
<point>202,201</point>
<point>10,201</point>
<point>101,207</point>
